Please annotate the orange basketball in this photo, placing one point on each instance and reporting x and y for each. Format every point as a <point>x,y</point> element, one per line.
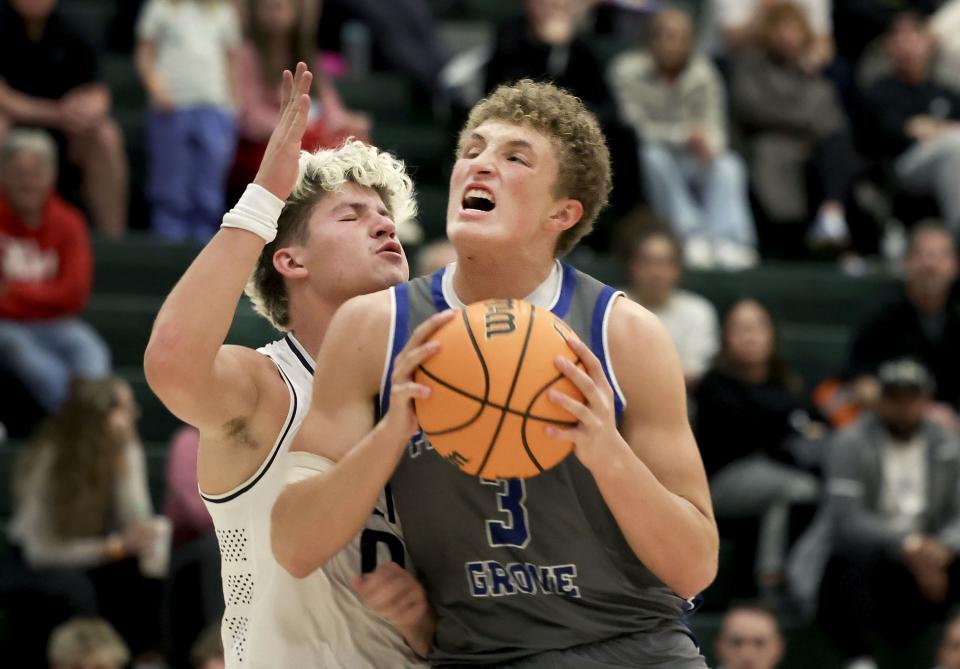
<point>489,406</point>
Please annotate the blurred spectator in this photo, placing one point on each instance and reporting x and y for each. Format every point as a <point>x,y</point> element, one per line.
<point>654,270</point>
<point>676,102</point>
<point>749,407</point>
<point>923,323</point>
<point>182,503</point>
<point>193,598</point>
<point>945,27</point>
<point>187,59</point>
<point>948,653</point>
<point>277,40</point>
<point>404,31</point>
<point>543,44</point>
<point>862,21</point>
<point>87,643</point>
<point>914,121</point>
<point>435,255</point>
<point>207,652</point>
<point>48,78</point>
<point>894,499</point>
<point>794,131</point>
<point>82,516</point>
<point>749,638</point>
<point>45,275</point>
<point>732,27</point>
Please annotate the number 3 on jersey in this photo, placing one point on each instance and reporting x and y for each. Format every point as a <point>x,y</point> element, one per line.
<point>513,531</point>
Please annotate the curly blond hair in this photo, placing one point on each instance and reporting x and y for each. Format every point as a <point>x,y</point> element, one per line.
<point>581,148</point>
<point>321,172</point>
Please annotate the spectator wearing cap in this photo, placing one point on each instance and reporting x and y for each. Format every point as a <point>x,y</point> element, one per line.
<point>922,322</point>
<point>893,488</point>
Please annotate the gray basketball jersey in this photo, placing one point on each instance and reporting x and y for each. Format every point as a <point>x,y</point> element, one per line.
<point>519,567</point>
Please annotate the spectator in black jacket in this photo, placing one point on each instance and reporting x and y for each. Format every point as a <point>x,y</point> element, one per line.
<point>922,323</point>
<point>49,79</point>
<point>914,121</point>
<point>749,406</point>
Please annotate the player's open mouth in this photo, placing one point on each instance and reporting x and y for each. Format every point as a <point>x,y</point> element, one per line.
<point>478,199</point>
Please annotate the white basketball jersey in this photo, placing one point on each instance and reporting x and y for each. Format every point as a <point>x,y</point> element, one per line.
<point>270,618</point>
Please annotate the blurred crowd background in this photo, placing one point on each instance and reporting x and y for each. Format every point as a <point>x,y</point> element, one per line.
<point>786,199</point>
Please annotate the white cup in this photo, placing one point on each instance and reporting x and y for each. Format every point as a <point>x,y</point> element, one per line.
<point>155,560</point>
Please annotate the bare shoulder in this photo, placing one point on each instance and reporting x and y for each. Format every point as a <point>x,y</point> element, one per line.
<point>643,356</point>
<point>632,325</point>
<point>357,339</point>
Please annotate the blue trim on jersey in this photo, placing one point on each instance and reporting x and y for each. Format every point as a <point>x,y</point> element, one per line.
<point>401,295</point>
<point>596,340</point>
<point>569,284</point>
<point>273,455</point>
<point>436,290</point>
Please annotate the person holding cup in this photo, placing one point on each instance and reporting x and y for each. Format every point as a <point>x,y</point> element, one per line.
<point>85,537</point>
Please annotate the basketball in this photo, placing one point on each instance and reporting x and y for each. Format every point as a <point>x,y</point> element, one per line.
<point>489,406</point>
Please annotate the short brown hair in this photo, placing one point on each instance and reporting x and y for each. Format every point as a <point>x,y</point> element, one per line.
<point>85,639</point>
<point>581,149</point>
<point>771,18</point>
<point>325,171</point>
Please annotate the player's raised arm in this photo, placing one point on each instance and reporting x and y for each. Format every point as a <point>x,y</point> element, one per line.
<point>200,380</point>
<point>338,465</point>
<point>652,477</point>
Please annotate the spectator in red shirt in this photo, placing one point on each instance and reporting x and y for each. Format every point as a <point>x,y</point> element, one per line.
<point>49,79</point>
<point>45,275</point>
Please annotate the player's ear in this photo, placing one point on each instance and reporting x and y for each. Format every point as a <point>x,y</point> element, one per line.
<point>288,262</point>
<point>566,214</point>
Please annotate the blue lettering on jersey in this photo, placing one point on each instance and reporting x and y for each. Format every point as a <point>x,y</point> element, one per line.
<point>565,574</point>
<point>419,444</point>
<point>489,578</point>
<point>477,579</point>
<point>525,584</point>
<point>501,585</point>
<point>514,529</point>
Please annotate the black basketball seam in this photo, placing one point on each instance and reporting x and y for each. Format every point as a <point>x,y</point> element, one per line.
<point>486,381</point>
<point>483,362</point>
<point>487,403</point>
<point>513,386</point>
<point>526,414</point>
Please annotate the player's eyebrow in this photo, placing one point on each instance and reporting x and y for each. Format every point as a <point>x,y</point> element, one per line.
<point>519,144</point>
<point>358,207</point>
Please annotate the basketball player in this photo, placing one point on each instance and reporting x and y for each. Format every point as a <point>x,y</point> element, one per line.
<point>314,230</point>
<point>589,564</point>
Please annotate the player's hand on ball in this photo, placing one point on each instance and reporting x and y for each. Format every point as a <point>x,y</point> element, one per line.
<point>403,389</point>
<point>396,595</point>
<point>281,160</point>
<point>596,415</point>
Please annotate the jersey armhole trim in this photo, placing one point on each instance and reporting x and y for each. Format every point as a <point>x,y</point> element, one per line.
<point>606,349</point>
<point>265,465</point>
<point>397,339</point>
<point>388,353</point>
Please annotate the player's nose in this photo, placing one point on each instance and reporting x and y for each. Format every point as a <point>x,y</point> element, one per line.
<point>384,227</point>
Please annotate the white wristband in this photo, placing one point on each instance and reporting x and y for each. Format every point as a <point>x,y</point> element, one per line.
<point>257,211</point>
